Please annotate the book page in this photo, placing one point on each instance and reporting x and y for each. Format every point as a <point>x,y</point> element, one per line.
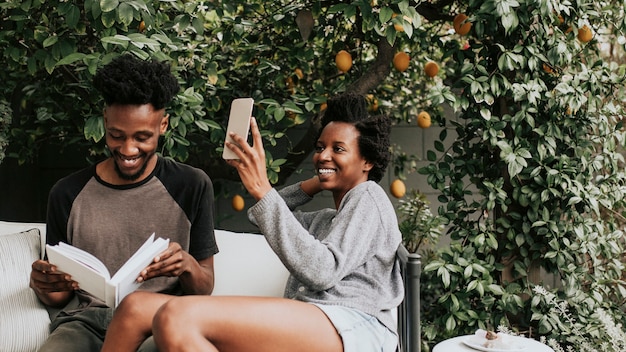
<point>84,258</point>
<point>88,279</point>
<point>125,280</point>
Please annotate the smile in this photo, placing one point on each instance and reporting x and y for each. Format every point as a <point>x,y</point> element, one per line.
<point>326,171</point>
<point>128,162</point>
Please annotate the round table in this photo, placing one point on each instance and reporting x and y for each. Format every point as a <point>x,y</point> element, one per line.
<point>456,344</point>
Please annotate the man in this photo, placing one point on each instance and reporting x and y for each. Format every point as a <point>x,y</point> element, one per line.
<point>109,209</point>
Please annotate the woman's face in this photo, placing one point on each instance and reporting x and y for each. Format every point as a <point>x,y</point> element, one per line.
<point>338,161</point>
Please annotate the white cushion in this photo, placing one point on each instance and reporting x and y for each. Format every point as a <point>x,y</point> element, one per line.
<point>247,266</point>
<point>10,227</point>
<point>24,321</point>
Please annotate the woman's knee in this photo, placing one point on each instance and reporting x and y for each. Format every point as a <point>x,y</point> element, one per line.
<point>132,304</point>
<point>166,323</point>
<point>169,315</point>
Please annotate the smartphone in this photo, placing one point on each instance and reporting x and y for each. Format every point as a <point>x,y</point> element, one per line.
<point>238,122</point>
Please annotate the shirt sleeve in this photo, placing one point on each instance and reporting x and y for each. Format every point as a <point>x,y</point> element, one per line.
<point>60,201</point>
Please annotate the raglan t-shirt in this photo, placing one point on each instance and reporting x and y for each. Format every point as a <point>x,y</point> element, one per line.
<point>112,221</point>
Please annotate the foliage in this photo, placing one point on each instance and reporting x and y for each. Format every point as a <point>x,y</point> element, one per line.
<point>533,178</point>
<point>219,51</point>
<point>417,224</point>
<point>5,122</point>
<point>587,332</point>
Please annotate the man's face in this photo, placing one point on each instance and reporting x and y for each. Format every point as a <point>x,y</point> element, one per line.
<point>132,136</point>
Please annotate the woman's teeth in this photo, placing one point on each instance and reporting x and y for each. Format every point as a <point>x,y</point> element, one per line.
<point>325,171</point>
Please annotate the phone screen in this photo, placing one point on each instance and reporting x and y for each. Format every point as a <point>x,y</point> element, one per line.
<point>238,122</point>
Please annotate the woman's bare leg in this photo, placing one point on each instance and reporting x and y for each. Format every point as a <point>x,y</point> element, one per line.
<point>132,321</point>
<point>213,323</point>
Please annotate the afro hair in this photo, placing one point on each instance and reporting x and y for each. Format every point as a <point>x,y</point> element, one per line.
<point>128,80</point>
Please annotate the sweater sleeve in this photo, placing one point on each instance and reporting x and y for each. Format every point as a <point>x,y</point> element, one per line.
<point>330,245</point>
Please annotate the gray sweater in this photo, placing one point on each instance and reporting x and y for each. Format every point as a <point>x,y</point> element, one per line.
<point>343,257</point>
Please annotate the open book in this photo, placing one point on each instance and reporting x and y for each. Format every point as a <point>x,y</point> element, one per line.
<point>93,276</point>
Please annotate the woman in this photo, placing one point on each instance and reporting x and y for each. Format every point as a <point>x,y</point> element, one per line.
<point>345,282</point>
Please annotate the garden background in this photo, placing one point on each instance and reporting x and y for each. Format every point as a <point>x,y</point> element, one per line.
<point>522,162</point>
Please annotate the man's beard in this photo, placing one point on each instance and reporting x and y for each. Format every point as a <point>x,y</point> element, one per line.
<point>135,176</point>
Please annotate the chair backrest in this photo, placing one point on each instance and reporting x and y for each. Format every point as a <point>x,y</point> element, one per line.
<point>409,310</point>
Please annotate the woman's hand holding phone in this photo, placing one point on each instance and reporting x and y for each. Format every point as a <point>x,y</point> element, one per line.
<point>250,162</point>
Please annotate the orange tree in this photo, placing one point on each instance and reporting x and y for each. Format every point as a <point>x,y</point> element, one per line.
<point>281,53</point>
<point>528,170</point>
<point>533,179</point>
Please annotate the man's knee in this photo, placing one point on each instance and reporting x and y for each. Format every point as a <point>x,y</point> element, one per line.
<point>72,337</point>
<point>78,331</point>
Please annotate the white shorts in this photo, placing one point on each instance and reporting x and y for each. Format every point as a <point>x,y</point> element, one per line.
<point>360,332</point>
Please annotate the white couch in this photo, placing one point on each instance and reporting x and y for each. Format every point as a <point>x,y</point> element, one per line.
<point>245,265</point>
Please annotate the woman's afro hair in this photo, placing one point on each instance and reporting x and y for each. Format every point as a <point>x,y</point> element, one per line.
<point>374,143</point>
<point>128,80</point>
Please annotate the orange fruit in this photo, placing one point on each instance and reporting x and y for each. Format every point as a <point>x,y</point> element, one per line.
<point>461,26</point>
<point>238,203</point>
<point>290,85</point>
<point>299,73</point>
<point>372,103</point>
<point>142,26</point>
<point>401,61</point>
<point>547,68</point>
<point>343,60</point>
<point>323,106</point>
<point>431,68</point>
<point>585,34</point>
<point>397,188</point>
<point>423,119</point>
<point>398,24</point>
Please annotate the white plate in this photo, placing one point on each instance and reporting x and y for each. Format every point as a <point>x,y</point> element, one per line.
<point>477,343</point>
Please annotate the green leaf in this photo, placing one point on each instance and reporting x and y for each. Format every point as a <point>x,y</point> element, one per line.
<point>496,289</point>
<point>70,59</point>
<point>202,125</point>
<point>50,41</point>
<point>125,13</point>
<point>450,323</point>
<point>108,5</point>
<point>94,128</point>
<point>118,39</point>
<point>108,19</point>
<point>385,14</point>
